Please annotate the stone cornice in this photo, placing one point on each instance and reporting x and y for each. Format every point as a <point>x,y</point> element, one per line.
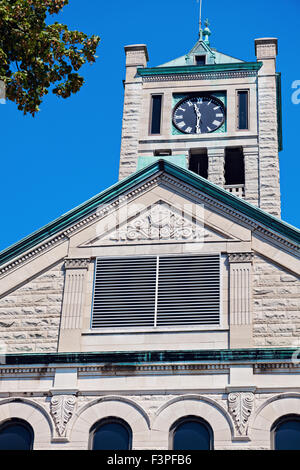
<point>206,72</point>
<point>150,358</point>
<point>101,211</point>
<point>177,77</point>
<point>154,368</point>
<point>230,211</point>
<point>29,255</point>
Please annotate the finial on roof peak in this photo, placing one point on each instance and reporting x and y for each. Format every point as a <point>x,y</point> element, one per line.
<point>206,32</point>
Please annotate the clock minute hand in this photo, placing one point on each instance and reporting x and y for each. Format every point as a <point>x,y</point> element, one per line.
<point>198,130</point>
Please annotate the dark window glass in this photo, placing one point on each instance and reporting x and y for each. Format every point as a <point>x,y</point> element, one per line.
<point>243,110</point>
<point>159,153</point>
<point>287,435</point>
<point>111,436</point>
<point>200,59</point>
<point>16,435</point>
<point>234,166</point>
<point>156,114</point>
<point>199,164</point>
<point>192,435</point>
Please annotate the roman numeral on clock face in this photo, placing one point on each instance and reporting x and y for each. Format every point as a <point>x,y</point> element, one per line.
<point>181,124</point>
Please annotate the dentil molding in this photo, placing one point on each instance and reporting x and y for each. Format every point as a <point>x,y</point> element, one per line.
<point>78,263</point>
<point>240,257</point>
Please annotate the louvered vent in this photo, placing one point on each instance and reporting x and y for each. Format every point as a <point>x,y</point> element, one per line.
<point>124,292</point>
<point>188,290</point>
<point>157,291</point>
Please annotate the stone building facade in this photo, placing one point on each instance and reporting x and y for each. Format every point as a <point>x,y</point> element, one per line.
<point>76,351</point>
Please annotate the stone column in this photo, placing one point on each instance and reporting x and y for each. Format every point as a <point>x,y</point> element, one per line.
<point>269,186</point>
<point>136,56</point>
<point>73,304</point>
<point>240,300</point>
<point>216,162</point>
<point>251,175</point>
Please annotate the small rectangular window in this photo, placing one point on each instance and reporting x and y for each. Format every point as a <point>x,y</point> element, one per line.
<point>156,105</point>
<point>234,166</point>
<point>200,60</point>
<point>243,109</point>
<point>162,153</point>
<point>199,164</point>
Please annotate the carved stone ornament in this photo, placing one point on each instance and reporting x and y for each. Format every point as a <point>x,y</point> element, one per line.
<point>240,407</point>
<point>61,409</point>
<point>240,257</point>
<point>79,263</point>
<point>160,222</point>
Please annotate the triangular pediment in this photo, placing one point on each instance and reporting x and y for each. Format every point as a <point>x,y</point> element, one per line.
<point>161,222</point>
<point>227,223</point>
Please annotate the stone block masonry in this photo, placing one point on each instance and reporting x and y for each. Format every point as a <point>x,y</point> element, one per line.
<point>266,52</point>
<point>136,56</point>
<point>276,306</point>
<point>30,315</point>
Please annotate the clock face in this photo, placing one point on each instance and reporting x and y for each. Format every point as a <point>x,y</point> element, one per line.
<point>199,114</point>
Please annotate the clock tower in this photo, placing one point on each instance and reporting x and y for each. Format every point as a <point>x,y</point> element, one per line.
<point>210,113</point>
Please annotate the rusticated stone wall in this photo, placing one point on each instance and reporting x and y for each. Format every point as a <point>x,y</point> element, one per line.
<point>136,56</point>
<point>276,309</point>
<point>130,129</point>
<point>30,316</point>
<point>216,161</point>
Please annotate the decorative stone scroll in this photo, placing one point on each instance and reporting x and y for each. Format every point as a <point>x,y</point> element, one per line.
<point>240,405</point>
<point>61,410</point>
<point>160,222</point>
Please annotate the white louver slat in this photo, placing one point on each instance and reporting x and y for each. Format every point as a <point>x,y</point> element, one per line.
<point>157,291</point>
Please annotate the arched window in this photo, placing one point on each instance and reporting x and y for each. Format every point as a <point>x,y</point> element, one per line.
<point>110,434</point>
<point>16,434</point>
<point>191,433</point>
<point>285,433</point>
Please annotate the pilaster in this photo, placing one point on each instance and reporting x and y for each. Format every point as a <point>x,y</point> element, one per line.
<point>73,304</point>
<point>240,300</point>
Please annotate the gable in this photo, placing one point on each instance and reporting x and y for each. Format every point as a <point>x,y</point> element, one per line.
<point>229,222</point>
<point>201,48</point>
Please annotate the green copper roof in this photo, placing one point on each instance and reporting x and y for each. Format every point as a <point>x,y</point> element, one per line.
<point>140,357</point>
<point>117,189</point>
<point>193,69</point>
<point>213,56</point>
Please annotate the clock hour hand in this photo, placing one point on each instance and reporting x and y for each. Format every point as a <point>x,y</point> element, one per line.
<point>198,130</point>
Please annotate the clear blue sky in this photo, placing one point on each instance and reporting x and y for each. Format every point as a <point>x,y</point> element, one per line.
<point>70,151</point>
